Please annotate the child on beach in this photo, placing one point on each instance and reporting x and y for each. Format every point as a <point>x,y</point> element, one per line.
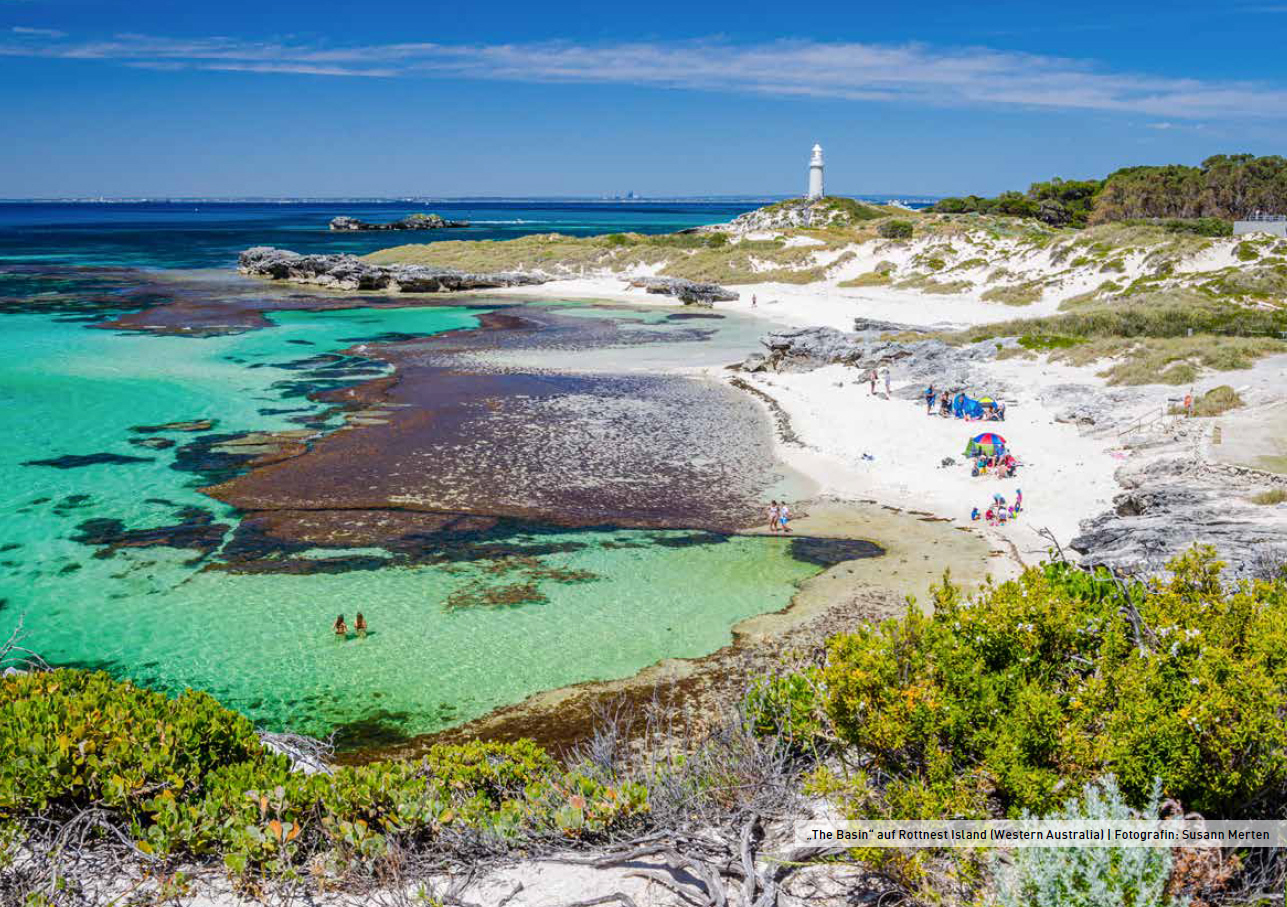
<point>872,378</point>
<point>991,517</point>
<point>775,516</point>
<point>974,514</point>
<point>1018,499</point>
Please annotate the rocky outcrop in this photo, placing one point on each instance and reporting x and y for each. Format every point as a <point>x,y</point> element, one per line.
<point>1172,503</point>
<point>410,222</point>
<point>689,291</point>
<point>799,212</point>
<point>348,272</point>
<point>949,368</point>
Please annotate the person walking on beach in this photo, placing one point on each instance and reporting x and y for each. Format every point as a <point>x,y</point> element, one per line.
<point>1188,404</point>
<point>929,400</point>
<point>341,628</point>
<point>784,516</point>
<point>753,300</point>
<point>887,383</point>
<point>359,625</point>
<point>775,516</point>
<point>872,377</point>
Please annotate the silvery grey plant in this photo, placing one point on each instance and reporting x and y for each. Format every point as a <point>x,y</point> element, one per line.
<point>1089,876</point>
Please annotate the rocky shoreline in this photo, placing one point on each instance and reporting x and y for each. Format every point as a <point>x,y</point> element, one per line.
<point>348,272</point>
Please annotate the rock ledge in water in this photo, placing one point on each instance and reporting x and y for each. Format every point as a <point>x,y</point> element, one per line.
<point>410,222</point>
<point>348,272</point>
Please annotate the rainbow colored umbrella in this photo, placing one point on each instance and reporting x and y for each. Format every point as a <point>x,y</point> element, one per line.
<point>987,444</point>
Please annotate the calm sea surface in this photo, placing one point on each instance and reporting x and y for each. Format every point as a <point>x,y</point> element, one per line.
<point>262,644</point>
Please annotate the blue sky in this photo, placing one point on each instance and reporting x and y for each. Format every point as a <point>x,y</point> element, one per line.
<point>667,97</point>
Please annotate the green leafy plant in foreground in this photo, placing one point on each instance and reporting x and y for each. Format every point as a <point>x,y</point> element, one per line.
<point>994,705</point>
<point>187,777</point>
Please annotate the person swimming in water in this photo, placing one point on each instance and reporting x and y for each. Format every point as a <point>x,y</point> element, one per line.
<point>359,624</point>
<point>341,628</point>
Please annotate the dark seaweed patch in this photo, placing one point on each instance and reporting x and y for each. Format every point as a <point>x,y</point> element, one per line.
<point>198,531</point>
<point>829,552</point>
<point>381,728</point>
<point>76,461</point>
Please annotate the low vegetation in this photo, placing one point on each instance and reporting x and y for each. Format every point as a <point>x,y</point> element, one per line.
<point>1005,704</point>
<point>1215,402</point>
<point>1147,342</point>
<point>186,778</point>
<point>1270,497</point>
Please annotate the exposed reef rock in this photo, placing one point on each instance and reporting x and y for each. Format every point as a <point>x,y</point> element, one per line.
<point>348,272</point>
<point>1174,502</point>
<point>410,222</point>
<point>689,291</point>
<point>949,368</point>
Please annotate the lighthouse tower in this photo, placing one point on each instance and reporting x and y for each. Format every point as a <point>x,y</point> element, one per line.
<point>815,173</point>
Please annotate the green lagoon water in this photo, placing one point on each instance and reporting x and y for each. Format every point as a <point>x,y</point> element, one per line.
<point>262,644</point>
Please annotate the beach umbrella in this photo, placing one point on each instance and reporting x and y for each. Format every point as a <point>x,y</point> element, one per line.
<point>987,443</point>
<point>986,400</point>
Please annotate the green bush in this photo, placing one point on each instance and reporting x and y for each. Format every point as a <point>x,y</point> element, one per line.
<point>896,229</point>
<point>786,706</point>
<point>997,704</point>
<point>188,777</point>
<point>1245,251</point>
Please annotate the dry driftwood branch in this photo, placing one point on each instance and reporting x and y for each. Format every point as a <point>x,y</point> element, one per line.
<point>616,897</point>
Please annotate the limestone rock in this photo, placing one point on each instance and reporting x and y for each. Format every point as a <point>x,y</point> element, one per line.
<point>688,291</point>
<point>347,272</point>
<point>948,368</point>
<point>1171,503</point>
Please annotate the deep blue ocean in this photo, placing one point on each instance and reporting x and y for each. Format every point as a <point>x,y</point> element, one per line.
<point>210,234</point>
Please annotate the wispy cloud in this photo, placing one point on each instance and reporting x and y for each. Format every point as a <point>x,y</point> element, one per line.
<point>913,73</point>
<point>38,32</point>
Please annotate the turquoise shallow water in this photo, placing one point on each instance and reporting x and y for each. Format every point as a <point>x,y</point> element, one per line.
<point>262,644</point>
<point>599,604</point>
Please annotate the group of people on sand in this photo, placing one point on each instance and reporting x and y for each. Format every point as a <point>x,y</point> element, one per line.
<point>876,375</point>
<point>949,406</point>
<point>1001,464</point>
<point>999,513</point>
<point>359,627</point>
<point>779,517</point>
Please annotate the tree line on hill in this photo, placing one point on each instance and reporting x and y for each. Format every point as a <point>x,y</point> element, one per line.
<point>1224,187</point>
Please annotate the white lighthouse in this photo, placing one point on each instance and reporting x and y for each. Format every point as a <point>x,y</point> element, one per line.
<point>815,173</point>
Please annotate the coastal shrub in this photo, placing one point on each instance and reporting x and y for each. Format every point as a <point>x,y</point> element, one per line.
<point>896,229</point>
<point>994,705</point>
<point>1215,402</point>
<point>1246,251</point>
<point>786,706</point>
<point>1270,497</point>
<point>185,776</point>
<point>870,279</point>
<point>1088,876</point>
<point>1021,294</point>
